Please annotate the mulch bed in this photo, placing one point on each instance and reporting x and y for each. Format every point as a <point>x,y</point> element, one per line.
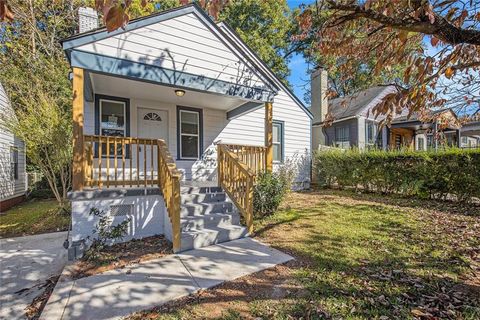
<point>121,255</point>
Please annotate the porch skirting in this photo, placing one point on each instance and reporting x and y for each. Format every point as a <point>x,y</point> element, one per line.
<point>145,207</point>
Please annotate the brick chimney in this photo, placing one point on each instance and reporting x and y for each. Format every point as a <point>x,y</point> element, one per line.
<point>87,19</point>
<point>319,101</point>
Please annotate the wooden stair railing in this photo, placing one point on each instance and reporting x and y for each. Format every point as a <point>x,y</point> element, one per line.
<point>253,156</point>
<point>169,183</point>
<point>237,180</point>
<point>134,162</point>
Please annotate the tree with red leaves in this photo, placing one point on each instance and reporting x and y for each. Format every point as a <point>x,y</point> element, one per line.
<point>446,74</point>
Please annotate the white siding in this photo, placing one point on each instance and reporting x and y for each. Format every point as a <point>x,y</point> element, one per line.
<point>247,129</point>
<point>183,44</point>
<point>10,188</point>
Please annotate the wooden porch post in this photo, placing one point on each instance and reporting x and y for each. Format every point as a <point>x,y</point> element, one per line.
<point>77,110</point>
<point>269,136</point>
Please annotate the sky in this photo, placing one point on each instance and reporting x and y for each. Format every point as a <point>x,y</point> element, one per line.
<point>299,77</point>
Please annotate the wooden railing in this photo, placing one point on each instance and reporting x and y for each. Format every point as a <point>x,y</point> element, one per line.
<point>253,156</point>
<point>120,162</point>
<point>134,162</point>
<point>169,183</point>
<point>237,180</point>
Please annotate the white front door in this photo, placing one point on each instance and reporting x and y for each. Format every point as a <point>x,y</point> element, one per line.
<point>151,124</point>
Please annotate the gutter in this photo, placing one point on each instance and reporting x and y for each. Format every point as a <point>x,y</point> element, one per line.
<point>335,121</point>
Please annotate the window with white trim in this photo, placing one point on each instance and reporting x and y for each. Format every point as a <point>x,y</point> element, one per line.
<point>112,122</point>
<point>14,163</point>
<point>189,134</point>
<point>342,137</point>
<point>278,145</point>
<point>112,118</point>
<point>370,132</point>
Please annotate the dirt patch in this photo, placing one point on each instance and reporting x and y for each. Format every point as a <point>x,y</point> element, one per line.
<point>271,284</point>
<point>121,255</point>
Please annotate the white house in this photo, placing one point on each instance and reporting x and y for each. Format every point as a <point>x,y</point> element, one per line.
<point>174,117</point>
<point>13,184</point>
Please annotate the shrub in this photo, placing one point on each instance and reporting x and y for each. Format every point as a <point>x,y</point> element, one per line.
<point>432,174</point>
<point>268,193</point>
<point>106,233</point>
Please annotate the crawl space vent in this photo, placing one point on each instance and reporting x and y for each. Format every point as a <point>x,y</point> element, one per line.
<point>121,209</point>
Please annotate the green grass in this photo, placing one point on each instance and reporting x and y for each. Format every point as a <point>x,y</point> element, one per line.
<point>364,257</point>
<point>373,259</point>
<point>33,217</point>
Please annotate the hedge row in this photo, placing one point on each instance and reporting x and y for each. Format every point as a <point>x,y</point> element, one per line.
<point>423,174</point>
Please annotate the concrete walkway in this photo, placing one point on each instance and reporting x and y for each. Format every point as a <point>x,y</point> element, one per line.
<point>26,263</point>
<point>118,293</point>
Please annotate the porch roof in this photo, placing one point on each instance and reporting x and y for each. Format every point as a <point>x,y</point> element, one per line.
<point>145,66</point>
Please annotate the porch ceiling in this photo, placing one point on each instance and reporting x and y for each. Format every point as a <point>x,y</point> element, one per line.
<point>121,87</point>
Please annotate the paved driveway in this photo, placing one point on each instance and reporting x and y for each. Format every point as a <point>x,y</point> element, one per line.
<point>26,263</point>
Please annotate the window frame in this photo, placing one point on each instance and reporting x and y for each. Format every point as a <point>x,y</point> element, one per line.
<point>14,162</point>
<point>341,143</point>
<point>199,111</point>
<point>281,124</point>
<point>98,99</point>
<point>372,143</point>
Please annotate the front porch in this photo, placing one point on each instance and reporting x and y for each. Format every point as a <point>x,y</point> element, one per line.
<point>133,135</point>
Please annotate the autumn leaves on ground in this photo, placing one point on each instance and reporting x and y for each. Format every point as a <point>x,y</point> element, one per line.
<point>357,257</point>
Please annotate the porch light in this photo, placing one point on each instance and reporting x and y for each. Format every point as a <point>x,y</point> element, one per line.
<point>180,93</point>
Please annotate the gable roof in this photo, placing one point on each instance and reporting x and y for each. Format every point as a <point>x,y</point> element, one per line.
<point>222,31</point>
<point>101,33</point>
<point>259,63</point>
<point>415,117</point>
<point>355,104</point>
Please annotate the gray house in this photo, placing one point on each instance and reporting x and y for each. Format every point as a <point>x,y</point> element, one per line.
<point>355,125</point>
<point>13,182</point>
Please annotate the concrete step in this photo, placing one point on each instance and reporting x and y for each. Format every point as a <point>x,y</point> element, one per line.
<point>200,189</point>
<point>197,223</point>
<point>189,198</point>
<point>206,237</point>
<point>200,209</point>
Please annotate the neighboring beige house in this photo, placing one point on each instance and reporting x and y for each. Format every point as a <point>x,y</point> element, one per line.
<point>13,182</point>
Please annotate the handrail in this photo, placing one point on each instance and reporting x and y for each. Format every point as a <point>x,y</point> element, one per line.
<point>140,162</point>
<point>169,184</point>
<point>253,156</point>
<point>238,181</point>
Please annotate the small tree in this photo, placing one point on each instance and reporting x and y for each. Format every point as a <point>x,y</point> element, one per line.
<point>35,75</point>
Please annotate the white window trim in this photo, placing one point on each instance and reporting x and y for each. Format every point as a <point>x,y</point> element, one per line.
<point>374,133</point>
<point>189,135</point>
<point>100,107</point>
<point>281,143</point>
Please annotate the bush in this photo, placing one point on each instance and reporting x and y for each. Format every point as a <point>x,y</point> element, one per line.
<point>107,234</point>
<point>268,193</point>
<point>432,174</point>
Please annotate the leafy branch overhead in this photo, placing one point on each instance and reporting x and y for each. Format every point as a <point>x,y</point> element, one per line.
<point>446,74</point>
<point>116,15</point>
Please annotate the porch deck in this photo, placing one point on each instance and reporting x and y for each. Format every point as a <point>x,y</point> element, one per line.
<point>200,212</point>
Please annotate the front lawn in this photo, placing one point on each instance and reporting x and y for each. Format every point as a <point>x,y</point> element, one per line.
<point>33,217</point>
<point>357,257</point>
